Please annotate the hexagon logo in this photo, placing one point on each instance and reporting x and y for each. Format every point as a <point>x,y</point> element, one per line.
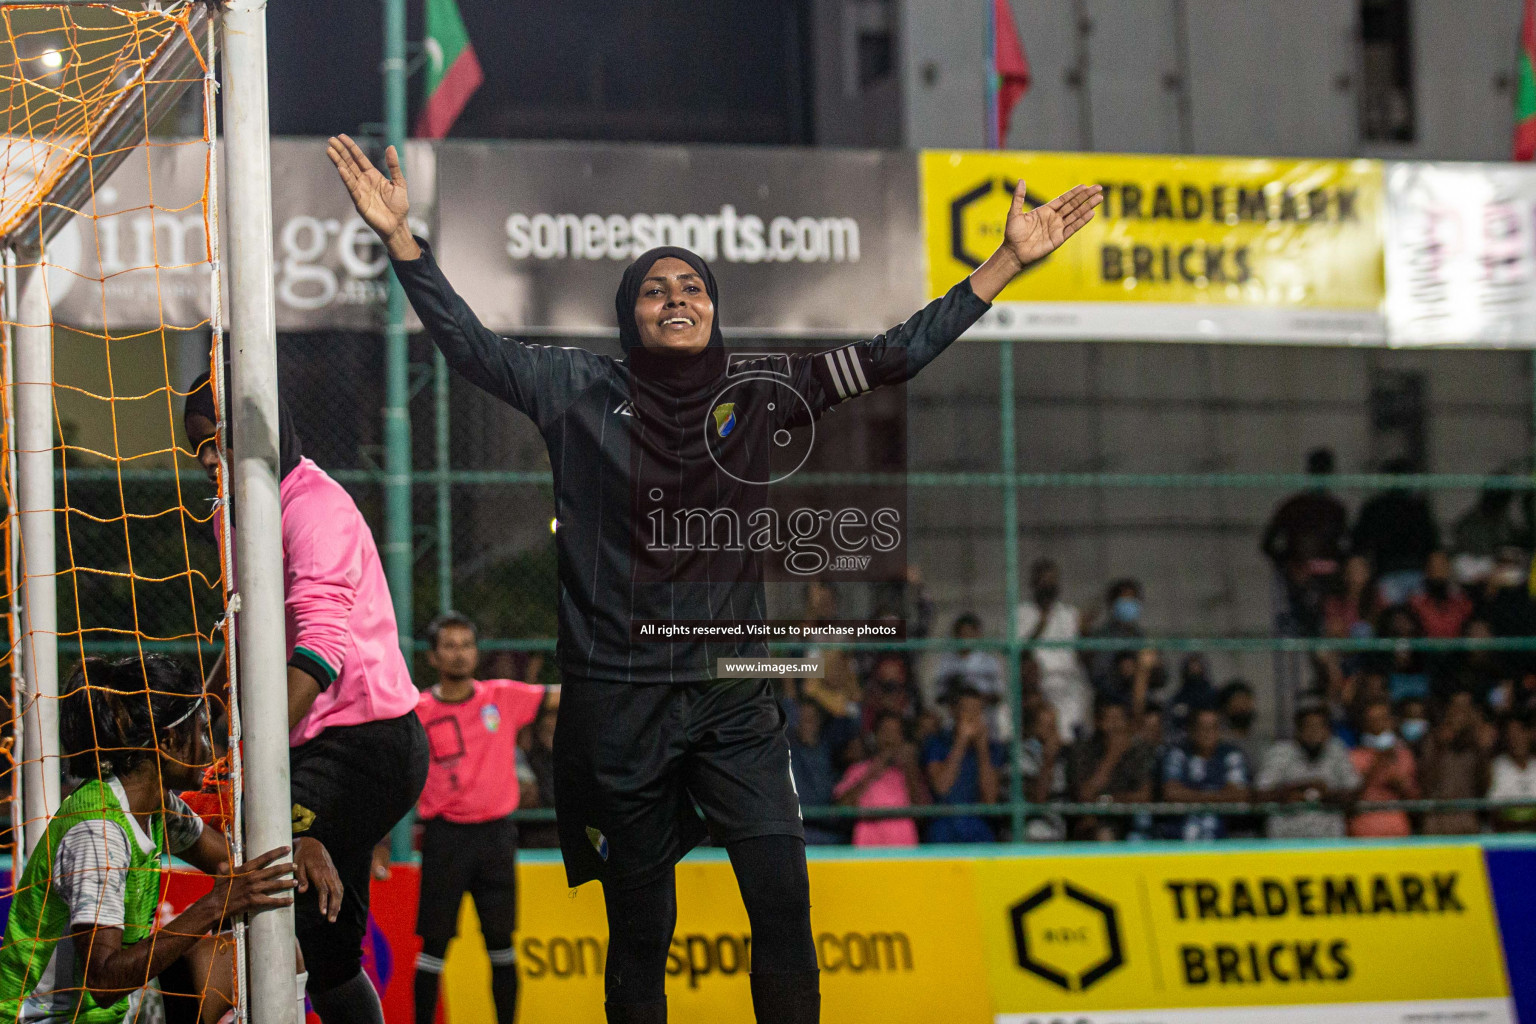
<point>976,220</point>
<point>1066,936</point>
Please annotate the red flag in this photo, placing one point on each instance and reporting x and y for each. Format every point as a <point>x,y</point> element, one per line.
<point>1011,67</point>
<point>1525,87</point>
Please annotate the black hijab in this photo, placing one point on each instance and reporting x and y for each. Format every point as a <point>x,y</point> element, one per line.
<point>289,450</point>
<point>668,370</point>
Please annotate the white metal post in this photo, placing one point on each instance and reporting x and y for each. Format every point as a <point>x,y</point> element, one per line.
<point>32,448</point>
<point>257,520</point>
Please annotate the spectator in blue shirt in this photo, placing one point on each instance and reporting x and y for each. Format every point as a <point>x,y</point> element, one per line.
<point>1205,770</point>
<point>963,768</point>
<point>810,761</point>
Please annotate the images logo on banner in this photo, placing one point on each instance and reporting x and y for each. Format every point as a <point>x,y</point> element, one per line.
<point>1183,248</point>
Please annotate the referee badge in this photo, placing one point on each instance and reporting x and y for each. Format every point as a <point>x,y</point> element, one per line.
<point>599,842</point>
<point>725,418</point>
<point>490,716</point>
<point>303,817</point>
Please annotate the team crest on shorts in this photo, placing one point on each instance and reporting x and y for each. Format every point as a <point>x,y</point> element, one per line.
<point>490,715</point>
<point>599,842</point>
<point>303,817</point>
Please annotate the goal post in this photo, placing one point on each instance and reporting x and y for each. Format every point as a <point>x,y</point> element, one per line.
<point>258,540</point>
<point>83,85</point>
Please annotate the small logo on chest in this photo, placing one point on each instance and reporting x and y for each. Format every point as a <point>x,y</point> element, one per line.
<point>490,717</point>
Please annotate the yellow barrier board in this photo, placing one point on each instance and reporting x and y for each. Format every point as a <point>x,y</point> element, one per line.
<point>1214,245</point>
<point>897,942</point>
<point>1333,934</point>
<point>1239,930</point>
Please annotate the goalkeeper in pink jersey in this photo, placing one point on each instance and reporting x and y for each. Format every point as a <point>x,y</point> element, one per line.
<point>468,843</point>
<point>357,753</point>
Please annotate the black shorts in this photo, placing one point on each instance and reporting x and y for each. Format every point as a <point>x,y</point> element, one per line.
<point>644,773</point>
<point>351,785</point>
<point>480,859</point>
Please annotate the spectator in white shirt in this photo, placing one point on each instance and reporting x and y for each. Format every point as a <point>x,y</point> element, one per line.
<point>1514,777</point>
<point>1313,768</point>
<point>1047,617</point>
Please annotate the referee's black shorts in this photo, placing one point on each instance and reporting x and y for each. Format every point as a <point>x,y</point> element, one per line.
<point>480,859</point>
<point>644,773</point>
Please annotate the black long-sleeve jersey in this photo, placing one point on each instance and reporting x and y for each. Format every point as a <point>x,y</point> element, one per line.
<point>621,449</point>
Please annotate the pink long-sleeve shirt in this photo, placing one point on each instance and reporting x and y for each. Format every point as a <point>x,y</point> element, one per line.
<point>339,612</point>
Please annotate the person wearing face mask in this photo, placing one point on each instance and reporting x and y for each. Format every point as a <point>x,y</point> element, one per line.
<point>1239,712</point>
<point>1122,621</point>
<point>1313,768</point>
<point>1047,617</point>
<point>1441,606</point>
<point>1412,723</point>
<point>1387,771</point>
<point>653,752</point>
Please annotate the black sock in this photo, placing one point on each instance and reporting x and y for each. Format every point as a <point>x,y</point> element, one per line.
<point>426,996</point>
<point>504,992</point>
<point>787,998</point>
<point>351,1002</point>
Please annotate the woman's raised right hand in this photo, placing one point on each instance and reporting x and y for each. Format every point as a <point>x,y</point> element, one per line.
<point>381,201</point>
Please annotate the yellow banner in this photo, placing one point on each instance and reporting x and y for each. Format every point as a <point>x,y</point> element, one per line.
<point>1330,932</point>
<point>897,942</point>
<point>1203,231</point>
<point>1230,930</point>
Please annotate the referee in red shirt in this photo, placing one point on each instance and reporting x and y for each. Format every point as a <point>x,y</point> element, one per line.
<point>468,842</point>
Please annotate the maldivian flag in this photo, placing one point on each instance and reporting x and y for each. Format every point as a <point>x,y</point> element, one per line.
<point>1010,66</point>
<point>453,70</point>
<point>1525,88</point>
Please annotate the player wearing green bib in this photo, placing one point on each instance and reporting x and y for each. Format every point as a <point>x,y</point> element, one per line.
<point>75,943</point>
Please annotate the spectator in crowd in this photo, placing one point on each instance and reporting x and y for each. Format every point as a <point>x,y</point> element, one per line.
<point>1046,617</point>
<point>1481,531</point>
<point>1454,765</point>
<point>1387,772</point>
<point>1113,765</point>
<point>539,750</point>
<point>1397,530</point>
<point>1513,777</point>
<point>1196,691</point>
<point>1122,621</point>
<point>1043,771</point>
<point>1313,768</point>
<point>1205,769</point>
<point>1407,670</point>
<point>888,778</point>
<point>811,762</point>
<point>1505,603</point>
<point>962,766</point>
<point>1351,607</point>
<point>888,691</point>
<point>1441,608</point>
<point>982,671</point>
<point>1413,722</point>
<point>1239,714</point>
<point>1481,672</point>
<point>837,689</point>
<point>1306,537</point>
<point>1131,677</point>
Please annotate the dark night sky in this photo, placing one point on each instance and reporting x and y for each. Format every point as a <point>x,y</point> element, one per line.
<point>661,70</point>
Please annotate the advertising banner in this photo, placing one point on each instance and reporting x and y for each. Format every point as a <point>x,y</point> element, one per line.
<point>1356,933</point>
<point>139,257</point>
<point>803,242</point>
<point>1461,254</point>
<point>1183,248</point>
<point>1345,935</point>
